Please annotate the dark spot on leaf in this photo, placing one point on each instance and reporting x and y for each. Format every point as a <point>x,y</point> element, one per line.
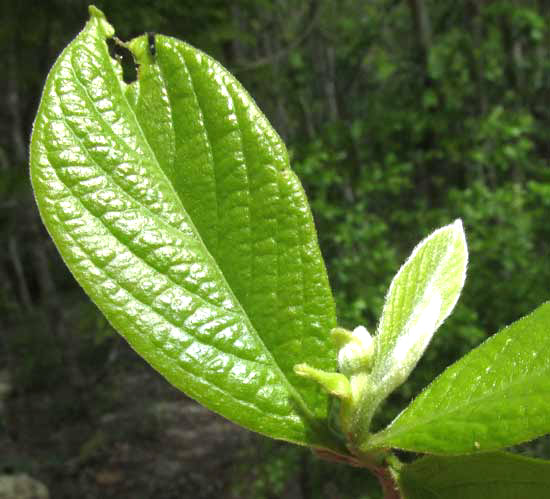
<point>151,43</point>
<point>125,58</point>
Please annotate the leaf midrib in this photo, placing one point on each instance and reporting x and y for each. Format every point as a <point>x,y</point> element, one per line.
<point>206,138</point>
<point>394,337</point>
<point>189,372</point>
<point>132,294</point>
<point>162,221</point>
<point>246,168</point>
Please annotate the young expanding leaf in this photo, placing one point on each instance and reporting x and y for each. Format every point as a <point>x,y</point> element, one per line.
<point>421,296</point>
<point>494,397</point>
<point>500,475</point>
<point>172,202</point>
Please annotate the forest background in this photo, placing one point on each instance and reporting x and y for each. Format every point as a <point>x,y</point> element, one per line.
<point>399,115</point>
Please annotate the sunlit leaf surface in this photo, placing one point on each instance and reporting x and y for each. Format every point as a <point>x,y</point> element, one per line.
<point>494,397</point>
<point>172,202</point>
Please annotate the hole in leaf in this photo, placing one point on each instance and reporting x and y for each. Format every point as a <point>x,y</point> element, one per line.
<point>125,58</point>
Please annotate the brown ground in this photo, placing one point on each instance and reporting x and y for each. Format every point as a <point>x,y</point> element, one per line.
<point>126,433</point>
<point>134,436</point>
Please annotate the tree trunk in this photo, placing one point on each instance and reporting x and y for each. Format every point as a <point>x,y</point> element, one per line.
<point>18,142</point>
<point>422,26</point>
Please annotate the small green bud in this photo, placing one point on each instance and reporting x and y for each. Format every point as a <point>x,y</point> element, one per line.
<point>334,383</point>
<point>356,350</point>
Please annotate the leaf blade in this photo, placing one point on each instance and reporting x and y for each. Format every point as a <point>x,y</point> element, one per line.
<point>122,229</point>
<point>492,398</point>
<point>500,475</point>
<point>421,296</point>
<point>279,287</point>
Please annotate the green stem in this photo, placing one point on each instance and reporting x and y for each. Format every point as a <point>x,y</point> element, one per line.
<point>363,412</point>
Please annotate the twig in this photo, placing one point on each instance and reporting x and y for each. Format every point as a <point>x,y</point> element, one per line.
<point>383,469</point>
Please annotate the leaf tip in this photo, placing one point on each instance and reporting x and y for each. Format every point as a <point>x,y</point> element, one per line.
<point>98,16</point>
<point>461,236</point>
<point>458,226</point>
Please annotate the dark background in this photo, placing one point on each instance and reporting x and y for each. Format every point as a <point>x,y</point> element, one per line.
<point>400,116</point>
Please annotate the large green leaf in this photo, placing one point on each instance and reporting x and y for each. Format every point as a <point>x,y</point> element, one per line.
<point>482,476</point>
<point>421,296</point>
<point>172,202</point>
<point>494,397</point>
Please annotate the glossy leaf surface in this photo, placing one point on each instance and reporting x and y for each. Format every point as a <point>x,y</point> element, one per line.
<point>494,397</point>
<point>421,296</point>
<point>172,202</point>
<point>482,476</point>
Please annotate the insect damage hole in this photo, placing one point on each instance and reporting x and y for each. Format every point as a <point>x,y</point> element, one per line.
<point>125,58</point>
<point>151,44</point>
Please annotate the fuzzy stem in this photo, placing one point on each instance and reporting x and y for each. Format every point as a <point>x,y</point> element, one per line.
<point>387,482</point>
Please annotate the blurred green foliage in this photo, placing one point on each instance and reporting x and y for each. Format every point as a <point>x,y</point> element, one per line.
<point>283,470</point>
<point>395,127</point>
